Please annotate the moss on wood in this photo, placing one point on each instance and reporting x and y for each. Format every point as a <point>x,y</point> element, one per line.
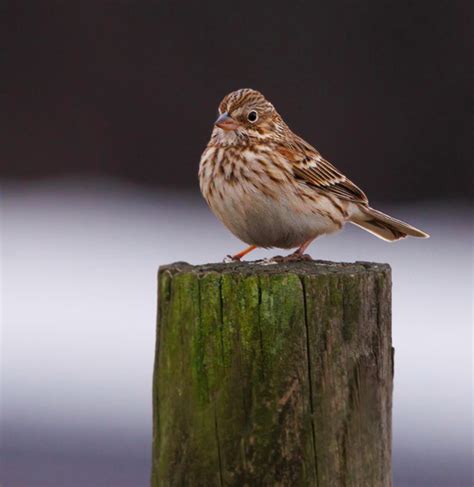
<point>277,375</point>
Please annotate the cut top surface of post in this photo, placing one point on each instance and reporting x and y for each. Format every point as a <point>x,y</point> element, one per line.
<point>315,267</point>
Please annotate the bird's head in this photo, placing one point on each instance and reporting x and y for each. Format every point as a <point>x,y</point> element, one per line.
<point>246,115</point>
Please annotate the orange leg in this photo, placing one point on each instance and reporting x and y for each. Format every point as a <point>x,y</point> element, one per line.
<point>302,248</point>
<point>243,253</point>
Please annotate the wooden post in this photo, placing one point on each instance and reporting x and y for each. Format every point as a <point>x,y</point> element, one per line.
<point>273,375</point>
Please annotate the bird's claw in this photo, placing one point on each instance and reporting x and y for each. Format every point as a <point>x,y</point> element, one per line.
<point>228,259</point>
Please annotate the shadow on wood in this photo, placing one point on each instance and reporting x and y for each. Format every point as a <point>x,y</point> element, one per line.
<point>273,375</point>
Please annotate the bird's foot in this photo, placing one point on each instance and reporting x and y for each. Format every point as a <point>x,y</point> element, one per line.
<point>230,258</point>
<point>238,257</point>
<point>294,257</point>
<point>304,257</point>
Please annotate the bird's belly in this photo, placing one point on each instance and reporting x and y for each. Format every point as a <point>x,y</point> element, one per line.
<point>269,221</point>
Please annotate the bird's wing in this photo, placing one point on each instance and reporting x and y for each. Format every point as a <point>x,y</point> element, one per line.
<point>310,167</point>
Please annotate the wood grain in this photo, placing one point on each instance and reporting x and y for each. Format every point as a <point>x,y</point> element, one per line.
<point>273,375</point>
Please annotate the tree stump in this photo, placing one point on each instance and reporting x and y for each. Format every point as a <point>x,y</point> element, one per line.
<point>273,375</point>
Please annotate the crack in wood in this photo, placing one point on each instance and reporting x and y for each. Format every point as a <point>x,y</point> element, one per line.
<point>310,380</point>
<point>273,375</point>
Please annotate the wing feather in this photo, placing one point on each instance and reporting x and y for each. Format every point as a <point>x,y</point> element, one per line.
<point>310,167</point>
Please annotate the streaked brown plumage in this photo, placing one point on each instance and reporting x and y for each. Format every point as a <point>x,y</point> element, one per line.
<point>272,189</point>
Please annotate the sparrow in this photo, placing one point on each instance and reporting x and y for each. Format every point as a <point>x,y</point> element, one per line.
<point>271,188</point>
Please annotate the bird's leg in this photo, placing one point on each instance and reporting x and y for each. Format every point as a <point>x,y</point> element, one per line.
<point>301,249</point>
<point>238,256</point>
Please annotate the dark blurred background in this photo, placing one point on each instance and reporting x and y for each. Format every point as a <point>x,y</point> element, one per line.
<point>130,89</point>
<point>105,109</point>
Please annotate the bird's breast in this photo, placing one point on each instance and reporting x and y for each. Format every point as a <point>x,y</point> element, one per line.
<point>243,170</point>
<point>253,192</point>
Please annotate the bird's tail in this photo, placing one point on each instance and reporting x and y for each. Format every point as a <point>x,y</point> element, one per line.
<point>384,226</point>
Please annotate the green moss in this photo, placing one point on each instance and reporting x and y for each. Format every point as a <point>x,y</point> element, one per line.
<point>209,353</point>
<point>183,391</point>
<point>268,378</point>
<point>353,292</point>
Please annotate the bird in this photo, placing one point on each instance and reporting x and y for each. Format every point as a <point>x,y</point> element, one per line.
<point>272,189</point>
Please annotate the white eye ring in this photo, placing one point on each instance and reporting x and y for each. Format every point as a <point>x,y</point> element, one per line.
<point>252,116</point>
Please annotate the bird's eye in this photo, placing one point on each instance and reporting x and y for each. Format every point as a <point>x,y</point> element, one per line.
<point>252,116</point>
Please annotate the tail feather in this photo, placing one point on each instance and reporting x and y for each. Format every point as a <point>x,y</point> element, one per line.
<point>384,226</point>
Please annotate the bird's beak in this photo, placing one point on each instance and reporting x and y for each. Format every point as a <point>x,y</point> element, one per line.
<point>226,122</point>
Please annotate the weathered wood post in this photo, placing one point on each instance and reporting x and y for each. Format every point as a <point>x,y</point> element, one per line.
<point>273,375</point>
